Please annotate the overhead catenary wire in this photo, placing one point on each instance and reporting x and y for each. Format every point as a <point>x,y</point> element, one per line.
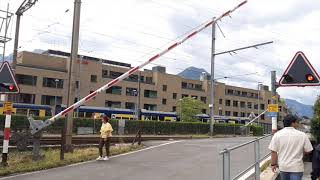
<point>133,70</point>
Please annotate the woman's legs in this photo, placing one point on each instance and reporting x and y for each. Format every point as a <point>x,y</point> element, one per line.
<point>101,143</point>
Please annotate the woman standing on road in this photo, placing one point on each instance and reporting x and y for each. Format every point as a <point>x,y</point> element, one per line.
<point>105,134</point>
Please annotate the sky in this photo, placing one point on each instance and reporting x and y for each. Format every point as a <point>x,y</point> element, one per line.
<point>132,31</point>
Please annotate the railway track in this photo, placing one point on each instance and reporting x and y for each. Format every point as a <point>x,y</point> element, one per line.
<point>80,140</point>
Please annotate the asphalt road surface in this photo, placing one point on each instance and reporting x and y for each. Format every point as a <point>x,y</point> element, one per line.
<point>174,160</point>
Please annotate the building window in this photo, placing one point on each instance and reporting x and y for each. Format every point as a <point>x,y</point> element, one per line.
<point>255,106</point>
<point>269,101</point>
<point>228,102</point>
<point>228,113</point>
<point>149,80</point>
<point>52,83</point>
<point>203,99</point>
<point>184,85</point>
<point>174,108</point>
<point>249,105</point>
<point>198,86</point>
<point>242,104</point>
<point>184,95</point>
<point>243,114</point>
<point>133,78</point>
<point>26,79</point>
<point>174,96</point>
<point>51,100</point>
<point>113,104</point>
<point>114,90</point>
<point>93,78</point>
<point>235,114</point>
<point>220,101</point>
<point>150,94</point>
<point>164,101</point>
<point>114,74</point>
<point>142,78</point>
<point>151,107</point>
<point>22,98</point>
<point>130,105</point>
<point>194,97</point>
<point>244,94</point>
<point>77,84</point>
<point>262,117</point>
<point>262,106</point>
<point>229,91</point>
<point>104,73</point>
<point>131,91</point>
<point>164,87</point>
<point>220,113</point>
<point>235,103</point>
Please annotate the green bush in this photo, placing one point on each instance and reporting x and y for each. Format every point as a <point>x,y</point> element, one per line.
<point>257,130</point>
<point>132,126</point>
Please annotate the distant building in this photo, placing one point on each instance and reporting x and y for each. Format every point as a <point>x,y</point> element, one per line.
<point>42,79</point>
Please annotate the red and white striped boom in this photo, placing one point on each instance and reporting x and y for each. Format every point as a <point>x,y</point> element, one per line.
<point>131,71</point>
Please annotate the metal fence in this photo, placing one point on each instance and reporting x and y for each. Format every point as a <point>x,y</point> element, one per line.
<point>256,165</point>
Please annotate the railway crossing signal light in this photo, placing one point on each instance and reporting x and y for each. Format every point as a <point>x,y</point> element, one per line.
<point>310,78</point>
<point>300,73</point>
<point>5,87</point>
<point>8,84</point>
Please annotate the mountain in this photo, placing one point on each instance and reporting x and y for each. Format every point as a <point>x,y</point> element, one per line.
<point>301,109</point>
<point>192,73</point>
<point>7,58</point>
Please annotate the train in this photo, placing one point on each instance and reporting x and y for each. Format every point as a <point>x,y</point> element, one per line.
<point>117,113</point>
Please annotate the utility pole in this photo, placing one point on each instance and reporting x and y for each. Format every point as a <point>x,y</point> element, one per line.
<point>73,58</point>
<point>274,101</point>
<point>137,107</point>
<point>213,43</point>
<point>27,4</point>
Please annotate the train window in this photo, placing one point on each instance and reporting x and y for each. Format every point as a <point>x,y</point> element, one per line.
<point>161,118</point>
<point>89,114</point>
<point>81,114</point>
<point>155,118</point>
<point>22,111</point>
<point>34,112</point>
<point>48,113</point>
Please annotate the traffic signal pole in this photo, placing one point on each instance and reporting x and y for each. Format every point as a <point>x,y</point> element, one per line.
<point>274,101</point>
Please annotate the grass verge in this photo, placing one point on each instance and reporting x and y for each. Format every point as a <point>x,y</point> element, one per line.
<point>265,165</point>
<point>22,161</point>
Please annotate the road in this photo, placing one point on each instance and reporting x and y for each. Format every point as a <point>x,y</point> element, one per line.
<point>187,160</point>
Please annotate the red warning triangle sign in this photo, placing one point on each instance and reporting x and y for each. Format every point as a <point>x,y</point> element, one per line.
<point>8,83</point>
<point>300,72</point>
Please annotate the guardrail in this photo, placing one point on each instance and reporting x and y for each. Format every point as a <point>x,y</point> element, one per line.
<point>226,159</point>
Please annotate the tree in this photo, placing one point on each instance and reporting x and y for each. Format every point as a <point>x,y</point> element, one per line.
<point>315,123</point>
<point>189,107</point>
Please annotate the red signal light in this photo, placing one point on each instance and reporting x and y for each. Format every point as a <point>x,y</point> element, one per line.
<point>310,77</point>
<point>11,87</point>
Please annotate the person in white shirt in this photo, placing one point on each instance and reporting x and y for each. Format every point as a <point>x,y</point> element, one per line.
<point>287,149</point>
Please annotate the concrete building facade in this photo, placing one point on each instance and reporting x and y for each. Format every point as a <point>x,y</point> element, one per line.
<point>43,79</point>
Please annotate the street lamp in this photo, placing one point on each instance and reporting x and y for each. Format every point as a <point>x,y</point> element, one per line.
<point>55,97</point>
<point>259,84</point>
<point>180,100</point>
<point>135,93</point>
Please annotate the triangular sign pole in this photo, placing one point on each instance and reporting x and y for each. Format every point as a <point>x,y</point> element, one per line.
<point>297,70</point>
<point>7,78</point>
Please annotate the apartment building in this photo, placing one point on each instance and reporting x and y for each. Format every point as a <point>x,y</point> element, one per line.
<point>43,79</point>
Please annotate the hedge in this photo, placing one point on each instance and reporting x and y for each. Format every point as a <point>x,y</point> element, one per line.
<point>131,127</point>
